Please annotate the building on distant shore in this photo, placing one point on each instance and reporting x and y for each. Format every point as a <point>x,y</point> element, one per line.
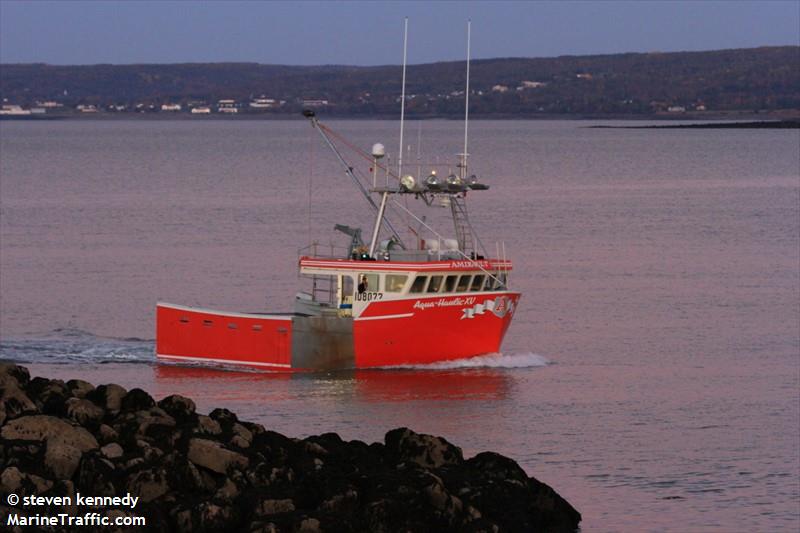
<point>14,110</point>
<point>170,107</point>
<point>263,103</point>
<point>311,102</point>
<point>676,109</point>
<point>227,106</point>
<point>202,110</point>
<point>83,108</point>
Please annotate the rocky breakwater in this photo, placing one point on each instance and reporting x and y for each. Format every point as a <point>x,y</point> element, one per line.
<point>191,472</point>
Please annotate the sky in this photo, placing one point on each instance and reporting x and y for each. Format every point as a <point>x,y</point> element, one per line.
<point>370,33</point>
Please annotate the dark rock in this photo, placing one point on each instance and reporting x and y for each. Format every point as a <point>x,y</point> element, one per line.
<point>106,434</point>
<point>213,456</point>
<point>424,450</point>
<point>225,418</point>
<point>42,427</point>
<point>112,451</point>
<point>96,476</point>
<point>178,407</point>
<point>148,484</point>
<point>207,426</point>
<point>136,400</point>
<point>108,397</point>
<point>49,395</point>
<point>61,459</point>
<point>84,412</point>
<point>13,400</point>
<point>214,473</point>
<point>271,507</point>
<point>79,388</point>
<point>19,373</point>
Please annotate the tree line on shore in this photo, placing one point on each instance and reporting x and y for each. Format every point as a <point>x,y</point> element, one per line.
<point>742,80</point>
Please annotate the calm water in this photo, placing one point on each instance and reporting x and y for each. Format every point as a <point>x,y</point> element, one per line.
<point>651,376</point>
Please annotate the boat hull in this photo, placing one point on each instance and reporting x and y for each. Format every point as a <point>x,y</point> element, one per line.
<point>408,331</point>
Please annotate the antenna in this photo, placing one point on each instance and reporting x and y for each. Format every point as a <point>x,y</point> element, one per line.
<point>466,106</point>
<point>403,101</point>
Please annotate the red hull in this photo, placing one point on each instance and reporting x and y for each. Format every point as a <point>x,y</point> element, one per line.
<point>419,330</point>
<point>184,334</point>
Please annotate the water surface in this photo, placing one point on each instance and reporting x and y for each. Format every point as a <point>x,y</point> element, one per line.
<point>651,375</point>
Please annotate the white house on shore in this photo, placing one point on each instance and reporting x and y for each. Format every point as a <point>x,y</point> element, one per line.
<point>227,106</point>
<point>263,103</point>
<point>14,110</point>
<point>171,107</point>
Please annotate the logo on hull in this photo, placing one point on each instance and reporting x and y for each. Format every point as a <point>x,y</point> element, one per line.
<point>500,306</point>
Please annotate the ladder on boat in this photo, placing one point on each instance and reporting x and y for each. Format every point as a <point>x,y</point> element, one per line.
<point>463,228</point>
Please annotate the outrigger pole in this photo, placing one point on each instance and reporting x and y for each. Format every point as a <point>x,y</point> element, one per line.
<point>309,114</point>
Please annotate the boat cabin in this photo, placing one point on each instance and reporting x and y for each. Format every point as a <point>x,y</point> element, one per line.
<point>344,287</point>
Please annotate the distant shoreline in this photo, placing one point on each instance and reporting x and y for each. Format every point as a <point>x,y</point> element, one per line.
<point>720,120</point>
<point>761,124</point>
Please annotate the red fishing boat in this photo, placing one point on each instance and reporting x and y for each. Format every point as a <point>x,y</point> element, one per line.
<point>388,302</point>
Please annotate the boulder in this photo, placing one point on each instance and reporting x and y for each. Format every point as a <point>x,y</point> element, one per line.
<point>136,400</point>
<point>50,395</point>
<point>178,407</point>
<point>211,455</point>
<point>207,426</point>
<point>48,428</point>
<point>112,451</point>
<point>13,400</point>
<point>214,473</point>
<point>108,397</point>
<point>96,476</point>
<point>107,434</point>
<point>61,459</point>
<point>19,373</point>
<point>79,388</point>
<point>425,450</point>
<point>11,480</point>
<point>148,484</point>
<point>270,507</point>
<point>84,412</point>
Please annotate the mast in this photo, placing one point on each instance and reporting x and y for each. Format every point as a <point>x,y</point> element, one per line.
<point>466,108</point>
<point>465,235</point>
<point>382,209</point>
<point>402,102</point>
<point>349,171</point>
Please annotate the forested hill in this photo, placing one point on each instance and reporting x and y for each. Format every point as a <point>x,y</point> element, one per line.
<point>758,79</point>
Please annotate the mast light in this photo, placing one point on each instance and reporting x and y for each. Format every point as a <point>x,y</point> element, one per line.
<point>454,183</point>
<point>475,185</point>
<point>408,183</point>
<point>432,182</point>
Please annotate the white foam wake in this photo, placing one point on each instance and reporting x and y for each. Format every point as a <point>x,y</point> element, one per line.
<point>495,360</point>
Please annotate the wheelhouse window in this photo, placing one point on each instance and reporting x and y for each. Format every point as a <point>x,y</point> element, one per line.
<point>419,284</point>
<point>477,283</point>
<point>395,282</point>
<point>463,283</point>
<point>367,283</point>
<point>450,283</point>
<point>435,284</point>
<point>496,282</point>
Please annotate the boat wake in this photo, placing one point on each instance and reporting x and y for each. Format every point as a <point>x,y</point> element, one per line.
<point>497,360</point>
<point>76,346</point>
